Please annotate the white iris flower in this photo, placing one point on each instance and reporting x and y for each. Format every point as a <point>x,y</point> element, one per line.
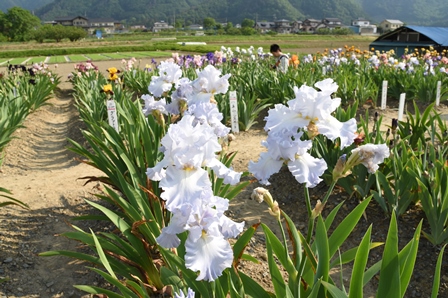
<point>311,110</point>
<point>169,74</point>
<point>210,82</point>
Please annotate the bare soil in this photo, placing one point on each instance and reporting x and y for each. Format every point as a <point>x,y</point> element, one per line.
<point>40,171</point>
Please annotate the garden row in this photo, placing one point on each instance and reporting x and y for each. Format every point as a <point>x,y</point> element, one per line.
<point>21,93</point>
<point>81,58</point>
<point>169,205</point>
<point>100,50</point>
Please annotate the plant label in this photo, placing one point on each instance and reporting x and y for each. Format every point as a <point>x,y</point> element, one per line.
<point>112,114</point>
<point>14,91</point>
<point>384,96</point>
<point>234,111</point>
<point>401,106</point>
<point>439,87</point>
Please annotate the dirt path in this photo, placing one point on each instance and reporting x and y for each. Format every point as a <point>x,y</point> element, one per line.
<point>41,172</point>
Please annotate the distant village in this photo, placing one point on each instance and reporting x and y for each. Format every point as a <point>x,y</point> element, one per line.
<point>358,26</point>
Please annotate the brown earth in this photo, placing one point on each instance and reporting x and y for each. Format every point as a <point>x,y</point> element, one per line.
<point>40,171</point>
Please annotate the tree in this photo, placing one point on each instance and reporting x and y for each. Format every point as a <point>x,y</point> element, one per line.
<point>247,23</point>
<point>18,23</point>
<point>178,24</point>
<point>75,33</point>
<point>58,33</point>
<point>209,23</point>
<point>248,31</point>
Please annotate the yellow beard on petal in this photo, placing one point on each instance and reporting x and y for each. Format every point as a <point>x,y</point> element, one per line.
<point>312,130</point>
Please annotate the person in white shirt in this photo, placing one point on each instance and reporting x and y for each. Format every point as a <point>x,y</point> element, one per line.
<point>282,62</point>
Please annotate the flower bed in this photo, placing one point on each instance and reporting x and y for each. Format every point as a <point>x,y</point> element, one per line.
<point>171,203</point>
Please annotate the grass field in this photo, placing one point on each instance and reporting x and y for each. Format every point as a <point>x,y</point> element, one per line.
<point>17,60</point>
<point>77,58</point>
<point>36,60</point>
<point>57,59</point>
<point>294,44</point>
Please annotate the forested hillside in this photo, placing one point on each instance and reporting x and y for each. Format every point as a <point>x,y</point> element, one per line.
<point>194,11</point>
<point>27,4</point>
<point>416,12</point>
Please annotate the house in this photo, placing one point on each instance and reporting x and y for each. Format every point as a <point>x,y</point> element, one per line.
<point>362,26</point>
<point>296,26</point>
<point>360,22</point>
<point>390,25</point>
<point>78,21</point>
<point>265,27</point>
<point>332,23</point>
<point>120,27</point>
<point>411,38</point>
<point>107,25</point>
<point>162,25</point>
<point>282,26</point>
<point>310,25</point>
<point>138,27</point>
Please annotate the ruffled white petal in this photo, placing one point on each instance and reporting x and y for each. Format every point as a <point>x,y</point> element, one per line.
<point>265,167</point>
<point>157,172</point>
<point>158,86</point>
<point>168,240</point>
<point>230,176</point>
<point>282,118</point>
<point>372,155</point>
<point>209,255</point>
<point>332,128</point>
<point>327,86</point>
<point>183,186</point>
<point>307,169</point>
<point>230,228</point>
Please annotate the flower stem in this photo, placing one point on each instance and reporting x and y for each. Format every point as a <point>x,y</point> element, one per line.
<point>308,203</point>
<point>330,190</point>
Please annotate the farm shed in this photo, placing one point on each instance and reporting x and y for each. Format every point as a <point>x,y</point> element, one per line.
<point>412,37</point>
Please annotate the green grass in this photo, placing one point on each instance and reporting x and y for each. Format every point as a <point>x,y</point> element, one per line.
<point>36,60</point>
<point>17,60</point>
<point>57,59</point>
<point>77,58</point>
<point>97,57</point>
<point>141,54</point>
<point>116,55</point>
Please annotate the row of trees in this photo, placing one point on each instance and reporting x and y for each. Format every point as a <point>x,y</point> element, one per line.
<point>247,27</point>
<point>18,24</point>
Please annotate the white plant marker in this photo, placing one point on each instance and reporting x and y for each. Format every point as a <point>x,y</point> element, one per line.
<point>439,87</point>
<point>384,96</point>
<point>401,106</point>
<point>112,114</point>
<point>234,111</point>
<point>324,70</point>
<point>14,91</point>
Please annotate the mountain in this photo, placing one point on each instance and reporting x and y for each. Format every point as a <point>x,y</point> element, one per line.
<point>415,12</point>
<point>412,12</point>
<point>27,4</point>
<point>194,11</point>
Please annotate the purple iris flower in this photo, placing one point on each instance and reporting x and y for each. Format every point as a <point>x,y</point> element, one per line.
<point>210,56</point>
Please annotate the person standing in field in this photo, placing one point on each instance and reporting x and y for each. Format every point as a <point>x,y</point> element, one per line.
<point>282,62</point>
